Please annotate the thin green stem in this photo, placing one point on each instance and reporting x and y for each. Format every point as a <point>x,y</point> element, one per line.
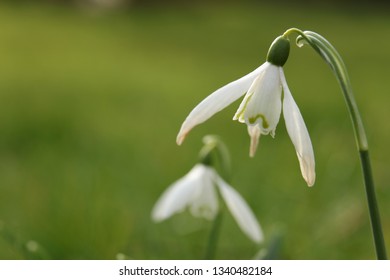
<point>215,153</point>
<point>373,206</point>
<point>213,237</point>
<point>334,60</point>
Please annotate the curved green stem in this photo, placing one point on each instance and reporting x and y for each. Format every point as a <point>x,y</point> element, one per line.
<point>334,60</point>
<point>215,153</point>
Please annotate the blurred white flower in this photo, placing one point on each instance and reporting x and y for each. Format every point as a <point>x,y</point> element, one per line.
<point>197,190</point>
<point>266,92</point>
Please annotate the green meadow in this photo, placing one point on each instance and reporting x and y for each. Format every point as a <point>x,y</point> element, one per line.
<point>91,103</point>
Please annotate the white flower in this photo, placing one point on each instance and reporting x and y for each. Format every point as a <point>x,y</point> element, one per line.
<point>266,92</point>
<point>197,190</point>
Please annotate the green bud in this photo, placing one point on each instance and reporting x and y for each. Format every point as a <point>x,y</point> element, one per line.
<point>279,51</point>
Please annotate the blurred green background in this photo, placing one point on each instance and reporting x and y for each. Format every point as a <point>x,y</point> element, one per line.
<point>92,97</point>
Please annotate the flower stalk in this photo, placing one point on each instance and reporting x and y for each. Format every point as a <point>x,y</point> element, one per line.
<point>212,241</point>
<point>334,60</point>
<point>214,151</point>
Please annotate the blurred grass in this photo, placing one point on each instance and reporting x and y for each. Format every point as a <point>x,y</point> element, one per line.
<point>90,106</point>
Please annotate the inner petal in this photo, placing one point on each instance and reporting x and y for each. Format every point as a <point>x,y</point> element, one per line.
<point>205,202</point>
<point>264,106</point>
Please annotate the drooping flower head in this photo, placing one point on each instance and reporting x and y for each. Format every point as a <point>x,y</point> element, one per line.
<point>266,94</point>
<point>198,191</point>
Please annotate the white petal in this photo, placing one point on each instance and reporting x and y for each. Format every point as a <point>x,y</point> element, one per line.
<point>241,212</point>
<point>262,104</point>
<point>254,132</point>
<point>217,101</point>
<point>178,195</point>
<point>299,135</point>
<point>204,202</point>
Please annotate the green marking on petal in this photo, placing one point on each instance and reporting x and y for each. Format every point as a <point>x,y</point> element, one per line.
<point>265,123</point>
<point>241,112</point>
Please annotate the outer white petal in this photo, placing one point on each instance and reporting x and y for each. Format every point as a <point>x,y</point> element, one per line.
<point>262,104</point>
<point>217,101</point>
<point>204,202</point>
<point>298,133</point>
<point>241,212</point>
<point>240,113</point>
<point>178,195</point>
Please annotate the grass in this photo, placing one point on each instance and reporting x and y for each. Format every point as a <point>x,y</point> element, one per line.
<point>90,107</point>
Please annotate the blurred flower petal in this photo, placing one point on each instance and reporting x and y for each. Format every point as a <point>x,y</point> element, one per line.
<point>204,202</point>
<point>197,191</point>
<point>241,212</point>
<point>178,195</point>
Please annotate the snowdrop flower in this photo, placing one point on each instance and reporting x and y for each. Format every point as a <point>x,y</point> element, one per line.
<point>266,93</point>
<point>198,190</point>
